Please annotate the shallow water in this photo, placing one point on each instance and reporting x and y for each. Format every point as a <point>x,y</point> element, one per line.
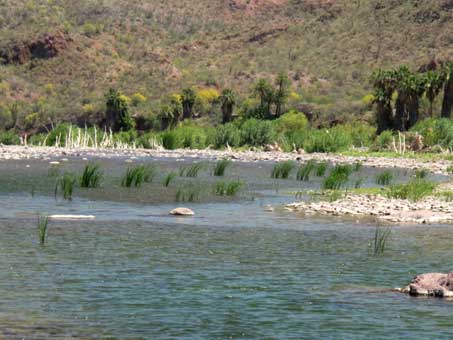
<point>232,271</point>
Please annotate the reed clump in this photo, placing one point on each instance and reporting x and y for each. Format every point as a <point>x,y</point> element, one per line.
<point>421,173</point>
<point>321,169</point>
<point>303,174</point>
<point>65,184</point>
<point>91,177</point>
<point>228,188</point>
<point>138,175</point>
<point>414,190</point>
<point>191,170</point>
<point>338,177</point>
<point>221,166</point>
<point>384,178</point>
<point>188,194</point>
<point>282,170</point>
<point>42,224</point>
<point>379,242</point>
<point>169,178</point>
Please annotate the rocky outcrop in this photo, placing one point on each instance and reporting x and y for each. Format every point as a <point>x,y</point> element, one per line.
<point>431,284</point>
<point>46,47</point>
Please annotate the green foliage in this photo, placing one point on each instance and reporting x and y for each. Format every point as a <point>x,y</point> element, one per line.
<point>414,190</point>
<point>117,113</point>
<point>138,175</point>
<point>338,177</point>
<point>191,170</point>
<point>187,136</point>
<point>257,132</point>
<point>42,223</point>
<point>65,184</point>
<point>189,193</point>
<point>321,169</point>
<point>332,140</point>
<point>383,141</point>
<point>303,174</point>
<point>378,243</point>
<point>227,134</point>
<point>220,167</point>
<point>421,173</point>
<point>384,178</point>
<point>436,132</point>
<point>169,178</point>
<point>91,176</point>
<point>9,138</point>
<point>291,121</point>
<point>228,188</point>
<point>282,170</point>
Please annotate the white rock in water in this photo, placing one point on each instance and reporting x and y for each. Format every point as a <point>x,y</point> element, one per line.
<point>54,163</point>
<point>72,217</point>
<point>182,212</point>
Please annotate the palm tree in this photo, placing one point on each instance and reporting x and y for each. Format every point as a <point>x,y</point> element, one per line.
<point>188,100</point>
<point>264,91</point>
<point>447,104</point>
<point>434,81</point>
<point>170,112</point>
<point>384,86</point>
<point>227,100</point>
<point>281,93</point>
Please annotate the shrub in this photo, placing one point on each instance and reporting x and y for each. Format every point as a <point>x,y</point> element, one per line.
<point>9,138</point>
<point>186,136</point>
<point>227,134</point>
<point>256,132</point>
<point>333,140</point>
<point>137,99</point>
<point>383,141</point>
<point>414,190</point>
<point>291,121</point>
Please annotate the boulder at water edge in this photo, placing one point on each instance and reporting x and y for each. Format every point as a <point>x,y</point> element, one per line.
<point>431,284</point>
<point>182,212</point>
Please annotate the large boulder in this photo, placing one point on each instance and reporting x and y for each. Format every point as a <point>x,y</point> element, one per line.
<point>431,284</point>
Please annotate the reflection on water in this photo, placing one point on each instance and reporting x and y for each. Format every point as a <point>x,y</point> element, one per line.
<point>232,271</point>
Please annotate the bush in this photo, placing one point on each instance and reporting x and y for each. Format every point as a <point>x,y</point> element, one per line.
<point>227,134</point>
<point>436,132</point>
<point>187,136</point>
<point>333,140</point>
<point>415,190</point>
<point>9,138</point>
<point>58,135</point>
<point>291,121</point>
<point>383,141</point>
<point>256,132</point>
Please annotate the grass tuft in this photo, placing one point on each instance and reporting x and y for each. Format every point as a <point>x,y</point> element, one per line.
<point>321,169</point>
<point>421,173</point>
<point>188,194</point>
<point>282,170</point>
<point>228,188</point>
<point>91,176</point>
<point>138,175</point>
<point>65,184</point>
<point>42,224</point>
<point>379,242</point>
<point>220,167</point>
<point>169,178</point>
<point>303,174</point>
<point>414,190</point>
<point>338,177</point>
<point>384,178</point>
<point>191,170</point>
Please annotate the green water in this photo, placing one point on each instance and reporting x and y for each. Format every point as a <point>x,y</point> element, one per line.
<point>231,272</point>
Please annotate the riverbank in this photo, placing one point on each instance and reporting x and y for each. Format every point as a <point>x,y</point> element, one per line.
<point>53,153</point>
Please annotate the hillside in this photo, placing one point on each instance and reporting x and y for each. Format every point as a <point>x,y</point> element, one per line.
<point>58,58</point>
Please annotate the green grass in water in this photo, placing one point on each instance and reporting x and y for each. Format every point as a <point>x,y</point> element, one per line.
<point>188,194</point>
<point>421,173</point>
<point>384,178</point>
<point>191,170</point>
<point>282,170</point>
<point>169,178</point>
<point>338,177</point>
<point>321,169</point>
<point>379,242</point>
<point>138,175</point>
<point>414,190</point>
<point>303,174</point>
<point>42,224</point>
<point>65,184</point>
<point>220,167</point>
<point>228,188</point>
<point>91,176</point>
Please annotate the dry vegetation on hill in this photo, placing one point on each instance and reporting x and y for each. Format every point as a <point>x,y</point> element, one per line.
<point>59,58</point>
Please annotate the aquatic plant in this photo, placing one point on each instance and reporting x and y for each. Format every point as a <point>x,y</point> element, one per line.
<point>321,169</point>
<point>220,167</point>
<point>421,173</point>
<point>169,178</point>
<point>54,171</point>
<point>228,188</point>
<point>384,178</point>
<point>65,184</point>
<point>282,170</point>
<point>338,177</point>
<point>188,194</point>
<point>42,224</point>
<point>191,170</point>
<point>379,242</point>
<point>414,190</point>
<point>138,175</point>
<point>357,166</point>
<point>303,174</point>
<point>91,176</point>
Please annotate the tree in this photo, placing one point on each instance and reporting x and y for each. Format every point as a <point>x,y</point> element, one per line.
<point>117,113</point>
<point>384,86</point>
<point>188,98</point>
<point>171,112</point>
<point>281,93</point>
<point>265,93</point>
<point>227,101</point>
<point>434,81</point>
<point>447,104</point>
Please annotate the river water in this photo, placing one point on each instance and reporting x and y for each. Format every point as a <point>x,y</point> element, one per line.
<point>233,271</point>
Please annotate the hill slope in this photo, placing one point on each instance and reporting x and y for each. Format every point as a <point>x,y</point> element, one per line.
<point>58,56</point>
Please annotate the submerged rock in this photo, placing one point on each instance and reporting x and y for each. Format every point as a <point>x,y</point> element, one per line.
<point>182,212</point>
<point>431,284</point>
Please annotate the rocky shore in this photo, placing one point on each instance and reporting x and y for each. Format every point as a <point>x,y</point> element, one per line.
<point>53,153</point>
<point>430,210</point>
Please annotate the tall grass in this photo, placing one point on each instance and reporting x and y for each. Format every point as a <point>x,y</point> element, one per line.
<point>65,184</point>
<point>414,190</point>
<point>228,188</point>
<point>282,170</point>
<point>338,177</point>
<point>191,170</point>
<point>384,178</point>
<point>379,242</point>
<point>169,178</point>
<point>303,174</point>
<point>221,166</point>
<point>421,173</point>
<point>188,194</point>
<point>138,175</point>
<point>42,224</point>
<point>321,169</point>
<point>91,176</point>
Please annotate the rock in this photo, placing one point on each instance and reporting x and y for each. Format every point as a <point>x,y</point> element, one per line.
<point>431,284</point>
<point>182,212</point>
<point>72,217</point>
